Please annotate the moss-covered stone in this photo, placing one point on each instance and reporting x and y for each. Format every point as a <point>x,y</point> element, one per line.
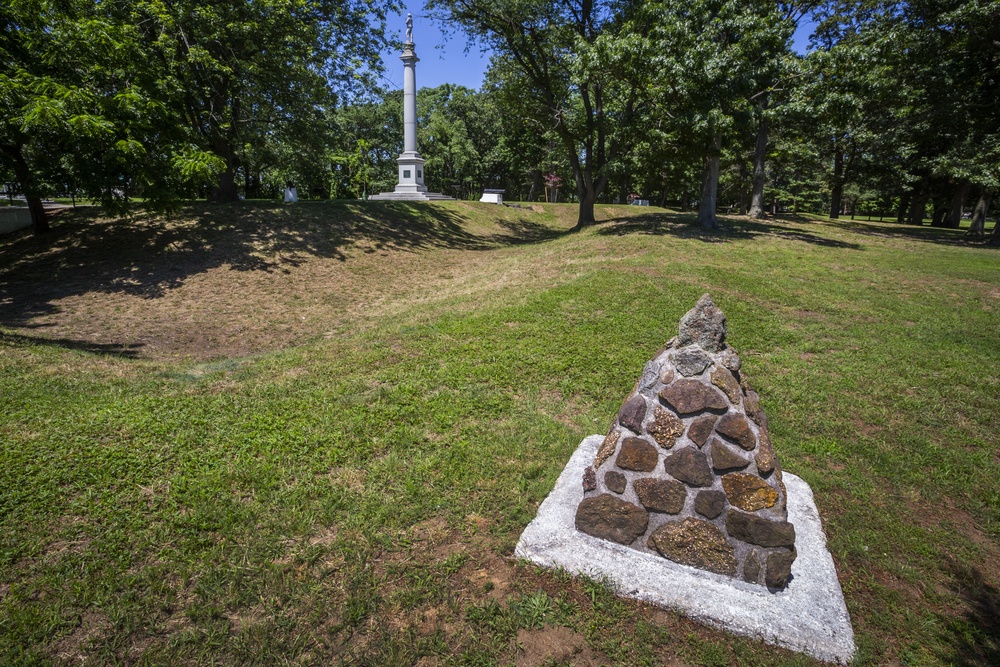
<point>748,492</point>
<point>665,428</point>
<point>696,543</point>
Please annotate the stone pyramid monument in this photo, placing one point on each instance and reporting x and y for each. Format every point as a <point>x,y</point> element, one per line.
<point>688,470</point>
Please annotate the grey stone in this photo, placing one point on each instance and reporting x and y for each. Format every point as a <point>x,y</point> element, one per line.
<point>730,359</point>
<point>710,504</point>
<point>632,413</point>
<point>637,454</point>
<point>688,396</point>
<point>754,529</point>
<point>751,567</point>
<point>690,361</point>
<point>611,518</point>
<point>615,481</point>
<point>704,325</point>
<point>650,374</point>
<point>689,465</point>
<point>660,495</point>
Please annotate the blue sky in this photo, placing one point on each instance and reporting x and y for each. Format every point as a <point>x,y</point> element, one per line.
<point>443,58</point>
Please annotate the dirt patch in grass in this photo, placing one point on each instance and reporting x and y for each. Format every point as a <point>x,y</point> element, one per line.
<point>72,648</point>
<point>555,645</point>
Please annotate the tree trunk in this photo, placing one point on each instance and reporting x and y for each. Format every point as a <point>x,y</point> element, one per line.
<point>939,207</point>
<point>904,205</point>
<point>39,219</point>
<point>225,189</point>
<point>536,184</point>
<point>710,186</point>
<point>837,192</point>
<point>586,215</point>
<point>759,155</point>
<point>958,205</point>
<point>918,206</point>
<point>976,229</point>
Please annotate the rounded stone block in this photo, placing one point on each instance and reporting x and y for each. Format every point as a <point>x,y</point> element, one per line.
<point>696,543</point>
<point>779,568</point>
<point>710,504</point>
<point>632,413</point>
<point>735,426</point>
<point>637,454</point>
<point>754,529</point>
<point>748,492</point>
<point>724,458</point>
<point>689,465</point>
<point>689,396</point>
<point>665,428</point>
<point>660,495</point>
<point>701,428</point>
<point>611,518</point>
<point>615,481</point>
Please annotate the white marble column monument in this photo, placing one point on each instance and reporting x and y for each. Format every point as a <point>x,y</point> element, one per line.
<point>410,185</point>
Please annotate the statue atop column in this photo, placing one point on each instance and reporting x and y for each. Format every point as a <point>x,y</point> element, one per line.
<point>409,28</point>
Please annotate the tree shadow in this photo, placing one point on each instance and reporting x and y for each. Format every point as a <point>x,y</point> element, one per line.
<point>975,639</point>
<point>101,349</point>
<point>939,235</point>
<point>685,225</point>
<point>148,256</point>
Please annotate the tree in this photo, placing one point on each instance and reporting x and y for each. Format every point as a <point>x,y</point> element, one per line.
<point>573,60</point>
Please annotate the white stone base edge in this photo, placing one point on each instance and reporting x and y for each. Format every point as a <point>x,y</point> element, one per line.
<point>808,616</point>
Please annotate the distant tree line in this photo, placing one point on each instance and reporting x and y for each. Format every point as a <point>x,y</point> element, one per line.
<point>697,104</point>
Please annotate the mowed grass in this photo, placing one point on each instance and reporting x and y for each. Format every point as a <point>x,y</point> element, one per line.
<point>268,435</point>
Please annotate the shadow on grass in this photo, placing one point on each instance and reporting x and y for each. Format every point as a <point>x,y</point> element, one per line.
<point>975,639</point>
<point>955,237</point>
<point>100,349</point>
<point>685,225</point>
<point>147,256</point>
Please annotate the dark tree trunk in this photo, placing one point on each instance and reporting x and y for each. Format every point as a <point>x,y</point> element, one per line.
<point>536,184</point>
<point>939,207</point>
<point>904,205</point>
<point>39,219</point>
<point>710,186</point>
<point>918,206</point>
<point>759,156</point>
<point>958,205</point>
<point>978,225</point>
<point>837,192</point>
<point>225,189</point>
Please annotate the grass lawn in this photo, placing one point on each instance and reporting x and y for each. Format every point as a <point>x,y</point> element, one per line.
<point>312,434</point>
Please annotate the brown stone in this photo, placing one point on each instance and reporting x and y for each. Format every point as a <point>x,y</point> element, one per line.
<point>765,458</point>
<point>668,375</point>
<point>748,492</point>
<point>689,465</point>
<point>751,403</point>
<point>757,530</point>
<point>637,454</point>
<point>615,481</point>
<point>723,458</point>
<point>725,381</point>
<point>611,518</point>
<point>687,396</point>
<point>779,568</point>
<point>589,479</point>
<point>751,567</point>
<point>701,428</point>
<point>696,543</point>
<point>632,413</point>
<point>736,426</point>
<point>666,427</point>
<point>710,504</point>
<point>660,495</point>
<point>607,448</point>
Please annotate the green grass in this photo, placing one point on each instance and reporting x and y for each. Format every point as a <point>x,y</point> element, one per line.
<point>355,498</point>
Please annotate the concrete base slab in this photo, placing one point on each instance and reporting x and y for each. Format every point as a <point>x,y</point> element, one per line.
<point>808,616</point>
<point>410,196</point>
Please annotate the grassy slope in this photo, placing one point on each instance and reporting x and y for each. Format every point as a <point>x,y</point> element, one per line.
<point>344,478</point>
